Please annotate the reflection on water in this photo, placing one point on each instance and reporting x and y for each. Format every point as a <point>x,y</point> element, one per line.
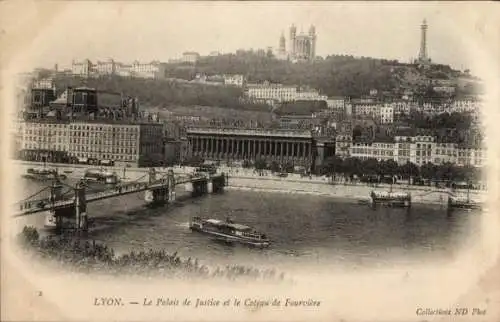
<point>303,229</point>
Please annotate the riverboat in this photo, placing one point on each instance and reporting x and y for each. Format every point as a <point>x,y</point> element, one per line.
<point>101,176</point>
<point>463,203</point>
<point>43,174</point>
<point>391,199</point>
<point>230,232</point>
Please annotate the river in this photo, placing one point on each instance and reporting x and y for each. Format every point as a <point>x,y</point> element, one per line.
<point>304,229</point>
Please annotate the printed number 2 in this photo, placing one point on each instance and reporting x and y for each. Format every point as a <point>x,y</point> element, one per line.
<point>39,293</point>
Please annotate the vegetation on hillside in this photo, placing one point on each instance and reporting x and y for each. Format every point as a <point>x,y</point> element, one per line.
<point>333,76</point>
<point>162,93</point>
<point>338,75</point>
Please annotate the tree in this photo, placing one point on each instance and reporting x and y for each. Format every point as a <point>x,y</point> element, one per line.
<point>409,170</point>
<point>370,166</point>
<point>275,167</point>
<point>333,164</point>
<point>260,164</point>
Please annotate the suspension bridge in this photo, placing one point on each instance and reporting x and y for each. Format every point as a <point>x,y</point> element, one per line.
<point>72,202</point>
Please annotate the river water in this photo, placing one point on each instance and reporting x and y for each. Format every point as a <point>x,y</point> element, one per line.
<point>304,229</point>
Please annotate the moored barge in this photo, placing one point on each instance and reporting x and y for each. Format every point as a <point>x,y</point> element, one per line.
<point>43,174</point>
<point>391,199</point>
<point>463,203</point>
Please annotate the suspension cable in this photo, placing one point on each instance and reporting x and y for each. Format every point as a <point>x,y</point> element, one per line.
<point>40,191</point>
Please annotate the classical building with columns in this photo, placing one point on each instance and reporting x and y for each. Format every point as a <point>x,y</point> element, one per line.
<point>283,146</point>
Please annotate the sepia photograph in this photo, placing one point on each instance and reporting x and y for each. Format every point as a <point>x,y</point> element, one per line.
<point>250,161</point>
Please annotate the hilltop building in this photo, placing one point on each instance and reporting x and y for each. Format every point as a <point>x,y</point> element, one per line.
<point>302,45</point>
<point>87,68</point>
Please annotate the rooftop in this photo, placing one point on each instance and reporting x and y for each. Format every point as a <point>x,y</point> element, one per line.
<point>53,120</point>
<point>251,132</point>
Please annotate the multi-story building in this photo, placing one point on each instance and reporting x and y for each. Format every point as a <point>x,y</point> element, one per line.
<point>400,108</point>
<point>336,103</point>
<point>47,83</point>
<point>295,146</point>
<point>367,110</point>
<point>382,151</point>
<point>343,143</point>
<point>308,95</point>
<point>423,146</point>
<point>154,69</point>
<point>190,57</point>
<point>445,153</point>
<point>267,91</point>
<point>107,67</point>
<point>234,80</point>
<point>462,106</point>
<point>470,157</point>
<point>137,144</point>
<point>83,68</point>
<point>386,114</point>
<point>414,149</point>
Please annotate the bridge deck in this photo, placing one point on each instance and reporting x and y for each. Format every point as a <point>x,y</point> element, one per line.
<point>38,205</point>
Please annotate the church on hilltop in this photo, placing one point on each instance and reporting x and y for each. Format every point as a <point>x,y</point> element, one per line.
<point>302,47</point>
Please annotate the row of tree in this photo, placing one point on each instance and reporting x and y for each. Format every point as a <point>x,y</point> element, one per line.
<point>373,167</point>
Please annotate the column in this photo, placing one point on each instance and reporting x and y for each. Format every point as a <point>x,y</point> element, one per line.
<point>282,148</point>
<point>275,148</point>
<point>293,150</point>
<point>217,145</point>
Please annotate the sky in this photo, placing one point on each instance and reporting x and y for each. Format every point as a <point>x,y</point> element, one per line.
<point>146,31</point>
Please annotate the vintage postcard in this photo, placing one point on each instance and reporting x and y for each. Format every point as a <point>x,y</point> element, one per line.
<point>250,161</point>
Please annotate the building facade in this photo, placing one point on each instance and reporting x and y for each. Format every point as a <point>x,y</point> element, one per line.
<point>343,143</point>
<point>136,144</point>
<point>267,91</point>
<point>234,80</point>
<point>382,151</point>
<point>86,68</point>
<point>386,114</point>
<point>190,57</point>
<point>282,146</point>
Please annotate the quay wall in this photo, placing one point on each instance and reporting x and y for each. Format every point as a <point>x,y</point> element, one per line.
<point>247,179</point>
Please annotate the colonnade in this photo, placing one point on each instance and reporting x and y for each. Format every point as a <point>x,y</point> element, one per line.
<point>250,148</point>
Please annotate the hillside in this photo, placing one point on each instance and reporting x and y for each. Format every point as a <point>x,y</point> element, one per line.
<point>164,93</point>
<point>338,75</point>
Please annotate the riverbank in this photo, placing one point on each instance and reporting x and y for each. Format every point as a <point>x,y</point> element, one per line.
<point>84,256</point>
<point>245,179</point>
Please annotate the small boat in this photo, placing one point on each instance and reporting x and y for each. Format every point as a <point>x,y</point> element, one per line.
<point>457,202</point>
<point>100,176</point>
<point>391,199</point>
<point>463,203</point>
<point>43,174</point>
<point>229,232</point>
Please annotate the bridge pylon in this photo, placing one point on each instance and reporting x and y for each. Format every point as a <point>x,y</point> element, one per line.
<point>81,218</point>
